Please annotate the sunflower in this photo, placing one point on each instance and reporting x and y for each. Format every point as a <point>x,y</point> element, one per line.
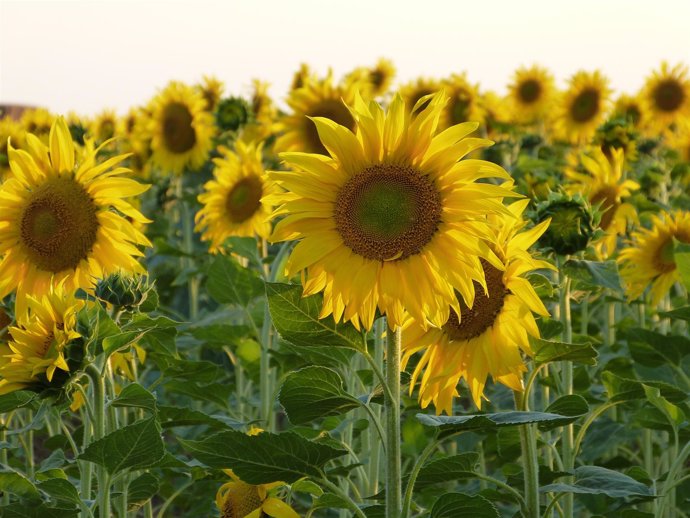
<point>531,94</point>
<point>413,91</point>
<point>666,96</point>
<point>630,108</point>
<point>211,90</point>
<point>488,337</point>
<point>264,111</point>
<point>301,77</point>
<point>180,128</point>
<point>65,222</point>
<point>582,107</point>
<point>104,126</point>
<point>40,340</point>
<point>232,204</point>
<point>381,77</point>
<point>604,184</point>
<point>237,499</point>
<point>317,98</point>
<point>390,214</point>
<point>37,121</point>
<point>649,258</point>
<point>9,130</point>
<point>465,102</point>
<point>680,142</point>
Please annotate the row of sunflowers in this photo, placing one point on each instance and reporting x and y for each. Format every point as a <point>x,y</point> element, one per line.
<point>421,301</point>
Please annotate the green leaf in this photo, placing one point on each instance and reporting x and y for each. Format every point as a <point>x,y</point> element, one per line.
<point>330,501</point>
<point>136,446</point>
<point>452,505</point>
<point>681,256</point>
<point>297,319</point>
<point>674,414</point>
<point>141,490</point>
<point>229,283</point>
<point>457,467</point>
<point>314,392</point>
<point>218,393</point>
<point>17,484</point>
<point>171,417</point>
<point>22,510</point>
<point>136,330</point>
<point>594,274</point>
<point>625,389</point>
<point>595,480</point>
<point>136,396</point>
<point>17,399</point>
<point>307,486</point>
<point>61,490</point>
<point>570,405</point>
<point>265,457</point>
<point>682,313</point>
<point>490,422</point>
<point>654,349</point>
<point>546,351</point>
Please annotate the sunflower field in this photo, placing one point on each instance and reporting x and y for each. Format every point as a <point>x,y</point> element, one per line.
<point>363,299</point>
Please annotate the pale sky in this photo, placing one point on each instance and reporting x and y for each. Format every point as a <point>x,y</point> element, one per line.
<point>91,55</point>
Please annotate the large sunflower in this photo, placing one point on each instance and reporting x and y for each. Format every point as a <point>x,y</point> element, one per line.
<point>39,341</point>
<point>181,129</point>
<point>488,337</point>
<point>316,98</point>
<point>390,214</point>
<point>232,204</point>
<point>63,221</point>
<point>649,259</point>
<point>666,96</point>
<point>530,94</point>
<point>603,183</point>
<point>582,107</point>
<point>464,105</point>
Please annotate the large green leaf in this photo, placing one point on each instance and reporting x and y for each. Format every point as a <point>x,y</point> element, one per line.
<point>171,417</point>
<point>454,505</point>
<point>17,484</point>
<point>446,469</point>
<point>594,274</point>
<point>141,490</point>
<point>61,490</point>
<point>490,422</point>
<point>595,480</point>
<point>136,446</point>
<point>135,396</point>
<point>315,392</point>
<point>230,283</point>
<point>17,399</point>
<point>160,329</point>
<point>626,389</point>
<point>546,351</point>
<point>570,405</point>
<point>32,510</point>
<point>297,319</point>
<point>654,349</point>
<point>682,313</point>
<point>265,457</point>
<point>673,413</point>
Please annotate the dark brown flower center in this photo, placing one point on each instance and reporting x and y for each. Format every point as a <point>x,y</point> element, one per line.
<point>59,225</point>
<point>529,91</point>
<point>244,199</point>
<point>607,196</point>
<point>669,95</point>
<point>585,106</point>
<point>388,212</point>
<point>178,132</point>
<point>333,109</point>
<point>240,500</point>
<point>474,321</point>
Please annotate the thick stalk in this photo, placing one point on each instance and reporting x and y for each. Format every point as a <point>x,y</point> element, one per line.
<point>85,467</point>
<point>375,443</point>
<point>265,385</point>
<point>99,427</point>
<point>566,378</point>
<point>528,444</point>
<point>3,457</point>
<point>392,405</point>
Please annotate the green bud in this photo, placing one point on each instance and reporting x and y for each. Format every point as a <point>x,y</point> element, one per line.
<point>123,292</point>
<point>233,113</point>
<point>573,223</point>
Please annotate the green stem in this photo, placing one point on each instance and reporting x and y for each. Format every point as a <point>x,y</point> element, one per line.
<point>521,501</point>
<point>30,446</point>
<point>528,444</point>
<point>265,388</point>
<point>567,377</point>
<point>99,430</point>
<point>351,503</point>
<point>409,490</point>
<point>3,456</point>
<point>585,426</point>
<point>86,467</point>
<point>392,406</point>
<point>169,501</point>
<point>376,443</point>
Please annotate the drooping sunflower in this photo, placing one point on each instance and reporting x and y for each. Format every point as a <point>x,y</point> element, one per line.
<point>465,103</point>
<point>488,338</point>
<point>604,184</point>
<point>57,223</point>
<point>666,96</point>
<point>37,121</point>
<point>582,107</point>
<point>317,98</point>
<point>39,342</point>
<point>413,91</point>
<point>649,259</point>
<point>391,213</point>
<point>531,94</point>
<point>232,202</point>
<point>181,129</point>
<point>211,90</point>
<point>104,126</point>
<point>237,499</point>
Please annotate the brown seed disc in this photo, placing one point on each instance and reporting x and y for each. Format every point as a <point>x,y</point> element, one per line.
<point>59,225</point>
<point>331,109</point>
<point>240,500</point>
<point>669,95</point>
<point>388,212</point>
<point>586,105</point>
<point>474,321</point>
<point>178,133</point>
<point>244,199</point>
<point>529,91</point>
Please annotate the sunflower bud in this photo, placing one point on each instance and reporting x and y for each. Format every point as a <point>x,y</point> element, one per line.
<point>233,113</point>
<point>573,223</point>
<point>124,292</point>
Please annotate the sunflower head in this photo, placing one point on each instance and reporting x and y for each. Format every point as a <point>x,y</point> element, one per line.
<point>465,103</point>
<point>414,91</point>
<point>631,109</point>
<point>666,96</point>
<point>38,122</point>
<point>573,223</point>
<point>530,94</point>
<point>582,107</point>
<point>617,133</point>
<point>124,292</point>
<point>233,114</point>
<point>211,89</point>
<point>104,126</point>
